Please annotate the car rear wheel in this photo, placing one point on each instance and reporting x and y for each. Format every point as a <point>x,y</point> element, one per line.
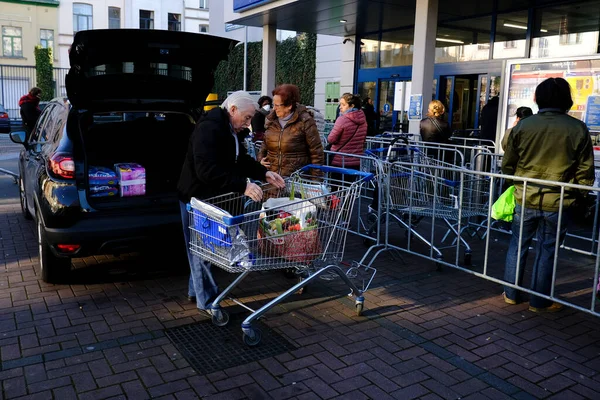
<point>53,269</point>
<point>23,199</point>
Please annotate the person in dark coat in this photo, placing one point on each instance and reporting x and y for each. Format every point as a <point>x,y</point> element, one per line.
<point>30,108</point>
<point>371,116</point>
<point>433,128</point>
<point>489,119</point>
<point>216,164</point>
<point>265,104</point>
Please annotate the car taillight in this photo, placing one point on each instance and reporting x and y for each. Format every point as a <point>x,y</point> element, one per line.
<point>62,165</point>
<point>68,248</point>
<point>3,115</point>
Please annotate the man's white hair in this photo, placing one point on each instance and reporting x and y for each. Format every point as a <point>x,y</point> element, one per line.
<point>241,100</point>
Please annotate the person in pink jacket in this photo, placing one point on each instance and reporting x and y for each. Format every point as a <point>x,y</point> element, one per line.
<point>349,132</point>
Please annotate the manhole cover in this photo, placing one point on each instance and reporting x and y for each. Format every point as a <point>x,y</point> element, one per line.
<point>209,348</point>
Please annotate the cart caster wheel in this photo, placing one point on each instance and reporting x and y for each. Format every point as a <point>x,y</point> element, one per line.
<point>220,317</point>
<point>467,259</point>
<point>359,309</point>
<point>252,337</point>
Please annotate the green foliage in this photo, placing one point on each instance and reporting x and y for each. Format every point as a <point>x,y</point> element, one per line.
<point>44,72</point>
<point>296,63</point>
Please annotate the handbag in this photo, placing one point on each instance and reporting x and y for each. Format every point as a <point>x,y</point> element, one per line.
<point>329,145</point>
<point>504,208</point>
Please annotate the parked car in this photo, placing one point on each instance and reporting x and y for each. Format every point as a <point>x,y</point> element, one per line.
<point>4,120</point>
<point>165,73</point>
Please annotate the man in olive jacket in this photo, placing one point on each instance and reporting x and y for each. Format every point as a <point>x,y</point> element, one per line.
<point>553,146</point>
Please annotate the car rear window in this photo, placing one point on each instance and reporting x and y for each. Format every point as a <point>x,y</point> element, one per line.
<point>139,68</point>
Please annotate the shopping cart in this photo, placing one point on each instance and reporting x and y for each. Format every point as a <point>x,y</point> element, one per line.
<point>438,190</point>
<point>303,227</point>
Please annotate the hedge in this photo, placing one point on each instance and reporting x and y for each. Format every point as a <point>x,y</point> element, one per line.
<point>296,63</point>
<point>44,72</point>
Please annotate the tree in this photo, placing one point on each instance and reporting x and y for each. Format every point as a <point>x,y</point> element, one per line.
<point>296,64</point>
<point>44,72</point>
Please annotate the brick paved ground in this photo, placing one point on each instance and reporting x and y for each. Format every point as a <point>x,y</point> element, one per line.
<point>425,334</point>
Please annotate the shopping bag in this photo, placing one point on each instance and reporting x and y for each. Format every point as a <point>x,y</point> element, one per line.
<point>288,229</point>
<point>504,207</point>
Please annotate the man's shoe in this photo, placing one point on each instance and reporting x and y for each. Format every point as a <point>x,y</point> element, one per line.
<point>507,300</point>
<point>191,299</point>
<point>555,307</point>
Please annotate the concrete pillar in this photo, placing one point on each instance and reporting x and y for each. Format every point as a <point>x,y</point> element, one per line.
<point>347,72</point>
<point>424,54</point>
<point>268,59</point>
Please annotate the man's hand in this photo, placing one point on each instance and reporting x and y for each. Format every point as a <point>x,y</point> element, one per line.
<point>254,191</point>
<point>275,179</point>
<point>265,162</point>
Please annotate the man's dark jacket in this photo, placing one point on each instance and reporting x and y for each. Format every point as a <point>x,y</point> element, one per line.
<point>210,167</point>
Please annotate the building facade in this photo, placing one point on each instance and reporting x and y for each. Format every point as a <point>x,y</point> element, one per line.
<point>460,52</point>
<point>74,16</point>
<point>24,25</point>
<point>196,16</point>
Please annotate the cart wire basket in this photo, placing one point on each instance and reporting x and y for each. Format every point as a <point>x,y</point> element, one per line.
<point>301,227</point>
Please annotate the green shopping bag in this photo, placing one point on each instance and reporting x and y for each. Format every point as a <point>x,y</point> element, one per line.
<point>504,207</point>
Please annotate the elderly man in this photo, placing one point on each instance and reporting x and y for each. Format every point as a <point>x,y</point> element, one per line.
<point>216,164</point>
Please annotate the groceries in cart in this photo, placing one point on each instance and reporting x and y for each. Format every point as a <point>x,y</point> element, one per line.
<point>213,232</point>
<point>290,229</point>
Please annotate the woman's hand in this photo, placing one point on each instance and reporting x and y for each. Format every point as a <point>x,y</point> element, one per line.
<point>275,179</point>
<point>253,191</point>
<point>265,162</point>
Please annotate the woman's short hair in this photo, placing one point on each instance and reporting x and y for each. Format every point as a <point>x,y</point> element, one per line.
<point>290,94</point>
<point>435,109</point>
<point>35,91</point>
<point>523,112</point>
<point>554,93</point>
<point>353,100</point>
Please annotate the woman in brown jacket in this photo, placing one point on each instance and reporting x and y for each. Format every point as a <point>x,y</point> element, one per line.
<point>291,138</point>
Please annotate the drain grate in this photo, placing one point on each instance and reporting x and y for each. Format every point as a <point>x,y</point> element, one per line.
<point>209,348</point>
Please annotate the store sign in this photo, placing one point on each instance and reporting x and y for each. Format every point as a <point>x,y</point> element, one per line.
<point>415,109</point>
<point>242,5</point>
<point>592,116</point>
<point>232,27</point>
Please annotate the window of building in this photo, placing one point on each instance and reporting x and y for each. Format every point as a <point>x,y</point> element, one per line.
<point>511,35</point>
<point>174,22</point>
<point>47,38</point>
<point>114,18</point>
<point>369,51</point>
<point>396,48</point>
<point>12,41</point>
<point>203,4</point>
<point>465,40</point>
<point>203,28</point>
<point>146,19</point>
<point>82,17</point>
<point>566,30</point>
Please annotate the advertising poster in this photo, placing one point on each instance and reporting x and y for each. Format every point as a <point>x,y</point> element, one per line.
<point>415,109</point>
<point>583,76</point>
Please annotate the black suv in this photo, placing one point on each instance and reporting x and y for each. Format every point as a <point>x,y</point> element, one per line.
<point>133,96</point>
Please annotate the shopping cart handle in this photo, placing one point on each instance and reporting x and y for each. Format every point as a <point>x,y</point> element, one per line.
<point>366,176</point>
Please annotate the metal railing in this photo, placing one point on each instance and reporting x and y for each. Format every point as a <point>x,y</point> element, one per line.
<point>16,80</point>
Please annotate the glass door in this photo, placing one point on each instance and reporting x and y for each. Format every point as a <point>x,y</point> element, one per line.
<point>392,105</point>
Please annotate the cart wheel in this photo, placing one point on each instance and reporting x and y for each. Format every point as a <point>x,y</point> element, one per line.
<point>359,309</point>
<point>467,259</point>
<point>252,337</point>
<point>220,317</point>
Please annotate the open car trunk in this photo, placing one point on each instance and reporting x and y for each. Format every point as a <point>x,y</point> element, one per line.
<point>157,142</point>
